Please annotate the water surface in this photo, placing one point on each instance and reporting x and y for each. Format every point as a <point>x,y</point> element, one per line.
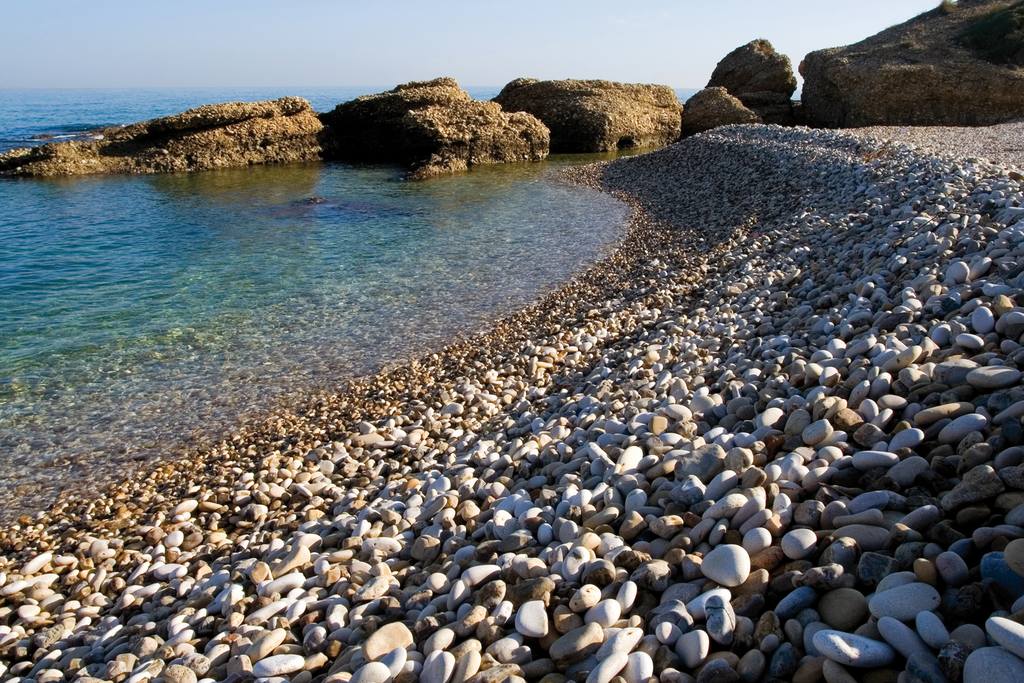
<point>140,314</point>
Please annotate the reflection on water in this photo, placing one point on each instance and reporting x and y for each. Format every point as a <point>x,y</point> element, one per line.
<point>136,312</point>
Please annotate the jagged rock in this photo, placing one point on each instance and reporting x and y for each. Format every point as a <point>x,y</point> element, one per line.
<point>212,136</point>
<point>597,116</point>
<point>713,107</point>
<point>759,77</point>
<point>949,66</point>
<point>434,127</point>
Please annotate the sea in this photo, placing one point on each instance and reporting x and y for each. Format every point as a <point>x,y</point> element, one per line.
<point>142,316</point>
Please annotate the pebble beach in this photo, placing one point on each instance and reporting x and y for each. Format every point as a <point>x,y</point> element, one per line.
<point>775,436</point>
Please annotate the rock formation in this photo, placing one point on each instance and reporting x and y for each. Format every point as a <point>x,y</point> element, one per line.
<point>597,116</point>
<point>434,127</point>
<point>954,65</point>
<point>713,107</point>
<point>761,78</point>
<point>212,136</point>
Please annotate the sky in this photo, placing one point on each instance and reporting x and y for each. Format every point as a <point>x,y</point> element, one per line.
<point>148,43</point>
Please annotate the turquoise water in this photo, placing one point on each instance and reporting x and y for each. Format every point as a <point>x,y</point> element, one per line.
<point>139,315</point>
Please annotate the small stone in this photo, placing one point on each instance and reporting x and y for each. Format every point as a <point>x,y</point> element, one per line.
<point>797,600</point>
<point>952,568</point>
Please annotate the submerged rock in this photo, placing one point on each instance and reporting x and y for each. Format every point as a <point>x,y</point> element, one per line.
<point>434,127</point>
<point>597,116</point>
<point>759,77</point>
<point>941,67</point>
<point>714,107</point>
<point>234,134</point>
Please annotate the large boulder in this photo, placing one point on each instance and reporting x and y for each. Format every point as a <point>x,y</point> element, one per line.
<point>761,78</point>
<point>212,136</point>
<point>713,107</point>
<point>433,127</point>
<point>597,116</point>
<point>959,64</point>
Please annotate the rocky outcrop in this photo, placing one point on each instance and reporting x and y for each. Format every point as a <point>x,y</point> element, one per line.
<point>759,77</point>
<point>213,136</point>
<point>713,107</point>
<point>433,127</point>
<point>931,70</point>
<point>597,116</point>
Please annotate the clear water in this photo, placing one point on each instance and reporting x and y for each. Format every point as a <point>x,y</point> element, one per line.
<point>139,315</point>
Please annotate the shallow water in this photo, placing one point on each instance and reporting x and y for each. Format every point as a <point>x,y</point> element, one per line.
<point>137,313</point>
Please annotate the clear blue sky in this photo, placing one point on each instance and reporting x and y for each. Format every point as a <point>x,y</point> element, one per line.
<point>122,43</point>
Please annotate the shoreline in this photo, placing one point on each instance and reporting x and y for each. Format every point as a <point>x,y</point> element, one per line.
<point>700,385</point>
<point>90,455</point>
<point>461,349</point>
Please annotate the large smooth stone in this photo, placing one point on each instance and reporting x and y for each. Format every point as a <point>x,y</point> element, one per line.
<point>474,576</point>
<point>1013,555</point>
<point>1007,633</point>
<point>853,650</point>
<point>639,667</point>
<point>799,543</point>
<point>993,377</point>
<point>932,629</point>
<point>962,426</point>
<point>993,665</point>
<point>904,602</point>
<point>869,460</point>
<point>902,638</point>
<point>532,619</point>
<point>438,667</point>
<point>693,647</point>
<point>372,672</point>
<point>387,638</point>
<point>577,644</point>
<point>844,609</point>
<point>995,567</point>
<point>868,538</point>
<point>727,565</point>
<point>278,665</point>
<point>608,668</point>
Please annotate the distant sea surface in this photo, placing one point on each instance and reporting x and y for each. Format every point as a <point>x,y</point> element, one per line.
<point>140,315</point>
